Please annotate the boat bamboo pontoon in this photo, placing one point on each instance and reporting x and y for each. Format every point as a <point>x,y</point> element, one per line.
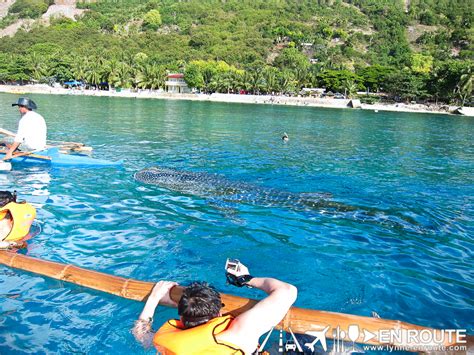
<point>300,320</point>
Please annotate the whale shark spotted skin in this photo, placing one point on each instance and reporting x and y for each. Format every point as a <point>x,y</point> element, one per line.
<point>221,191</point>
<point>216,186</point>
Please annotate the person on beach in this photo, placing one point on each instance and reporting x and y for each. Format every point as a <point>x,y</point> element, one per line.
<point>31,133</point>
<point>15,220</point>
<point>202,329</point>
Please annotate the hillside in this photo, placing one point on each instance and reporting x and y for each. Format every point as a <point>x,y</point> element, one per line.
<point>301,37</point>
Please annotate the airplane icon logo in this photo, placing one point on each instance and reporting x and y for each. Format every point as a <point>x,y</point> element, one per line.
<point>320,335</point>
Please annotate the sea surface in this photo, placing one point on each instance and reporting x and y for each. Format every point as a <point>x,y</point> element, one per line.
<point>401,245</point>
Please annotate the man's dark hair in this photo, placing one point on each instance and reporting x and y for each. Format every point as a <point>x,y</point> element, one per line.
<point>199,303</point>
<point>7,197</point>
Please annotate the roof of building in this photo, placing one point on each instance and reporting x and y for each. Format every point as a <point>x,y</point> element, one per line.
<point>176,75</point>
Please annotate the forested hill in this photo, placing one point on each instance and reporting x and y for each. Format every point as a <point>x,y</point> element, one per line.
<point>424,46</point>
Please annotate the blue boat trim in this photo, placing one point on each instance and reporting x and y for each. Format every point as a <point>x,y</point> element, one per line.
<point>59,159</point>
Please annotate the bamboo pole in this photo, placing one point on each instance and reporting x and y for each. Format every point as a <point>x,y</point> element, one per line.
<point>25,154</point>
<point>7,132</point>
<point>300,320</point>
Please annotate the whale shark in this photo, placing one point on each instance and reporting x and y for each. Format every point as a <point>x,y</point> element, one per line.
<point>214,186</point>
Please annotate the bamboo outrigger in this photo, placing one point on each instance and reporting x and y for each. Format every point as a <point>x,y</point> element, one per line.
<point>299,320</point>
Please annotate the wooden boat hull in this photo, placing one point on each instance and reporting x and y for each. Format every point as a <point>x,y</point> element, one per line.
<point>300,320</point>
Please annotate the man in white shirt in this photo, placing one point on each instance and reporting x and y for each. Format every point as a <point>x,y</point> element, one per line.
<point>31,134</point>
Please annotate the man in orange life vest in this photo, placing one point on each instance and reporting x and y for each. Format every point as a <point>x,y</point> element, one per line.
<point>202,329</point>
<point>15,220</point>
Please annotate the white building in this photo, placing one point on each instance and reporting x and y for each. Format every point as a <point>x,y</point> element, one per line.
<point>175,84</point>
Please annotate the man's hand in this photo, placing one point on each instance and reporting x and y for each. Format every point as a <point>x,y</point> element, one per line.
<point>237,274</point>
<point>8,155</point>
<point>159,294</point>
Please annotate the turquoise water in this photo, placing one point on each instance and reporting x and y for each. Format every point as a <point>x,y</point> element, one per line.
<point>404,249</point>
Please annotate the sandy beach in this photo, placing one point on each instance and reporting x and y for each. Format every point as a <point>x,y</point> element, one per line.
<point>233,98</point>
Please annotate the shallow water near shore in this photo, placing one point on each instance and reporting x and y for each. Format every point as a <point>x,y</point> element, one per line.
<point>404,249</point>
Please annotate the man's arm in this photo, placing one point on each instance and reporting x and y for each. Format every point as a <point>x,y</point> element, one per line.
<point>250,325</point>
<point>160,294</point>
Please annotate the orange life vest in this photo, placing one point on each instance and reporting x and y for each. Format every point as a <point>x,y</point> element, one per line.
<point>173,339</point>
<point>23,215</point>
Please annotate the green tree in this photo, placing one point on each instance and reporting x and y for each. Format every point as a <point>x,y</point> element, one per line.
<point>29,8</point>
<point>302,77</point>
<point>152,20</point>
<point>374,77</point>
<point>464,88</point>
<point>255,80</point>
<point>18,69</point>
<point>445,78</point>
<point>151,76</point>
<point>121,76</point>
<point>270,79</point>
<point>421,63</point>
<point>350,88</point>
<point>292,58</point>
<point>94,72</point>
<point>58,68</point>
<point>37,66</point>
<point>335,80</point>
<point>193,76</point>
<point>140,58</point>
<point>286,82</point>
<point>406,85</point>
<point>79,68</point>
<point>223,82</point>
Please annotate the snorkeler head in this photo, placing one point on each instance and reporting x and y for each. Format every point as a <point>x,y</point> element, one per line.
<point>199,303</point>
<point>7,197</point>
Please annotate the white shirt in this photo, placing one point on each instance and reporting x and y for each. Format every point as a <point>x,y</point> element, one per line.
<point>31,132</point>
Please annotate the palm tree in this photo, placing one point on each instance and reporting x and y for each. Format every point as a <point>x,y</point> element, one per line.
<point>351,88</point>
<point>140,58</point>
<point>121,75</point>
<point>151,76</point>
<point>207,75</point>
<point>79,67</point>
<point>286,81</point>
<point>301,77</point>
<point>238,80</point>
<point>270,80</point>
<point>464,88</point>
<point>110,71</point>
<point>37,66</point>
<point>223,82</point>
<point>256,80</point>
<point>93,72</point>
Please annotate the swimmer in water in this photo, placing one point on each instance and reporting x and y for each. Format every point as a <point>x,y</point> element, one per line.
<point>15,220</point>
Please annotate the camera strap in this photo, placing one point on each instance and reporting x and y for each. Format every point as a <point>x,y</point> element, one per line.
<point>238,281</point>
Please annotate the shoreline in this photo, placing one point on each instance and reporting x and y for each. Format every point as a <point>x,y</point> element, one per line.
<point>233,98</point>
